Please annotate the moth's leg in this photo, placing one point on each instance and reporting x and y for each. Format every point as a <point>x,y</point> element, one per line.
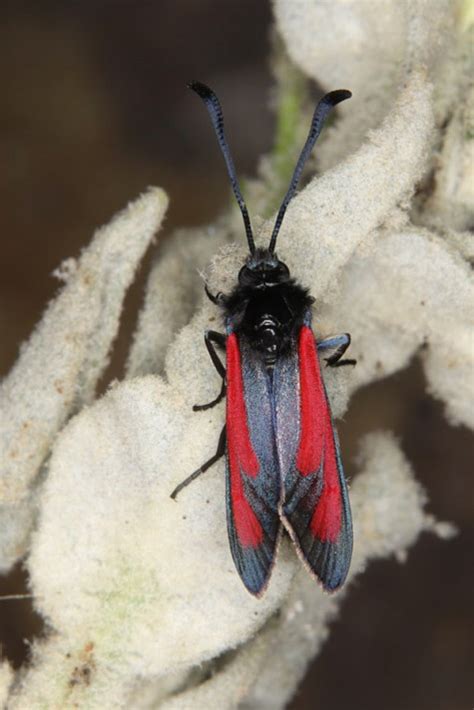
<point>340,343</point>
<point>218,455</point>
<point>210,337</point>
<point>209,405</point>
<point>218,299</point>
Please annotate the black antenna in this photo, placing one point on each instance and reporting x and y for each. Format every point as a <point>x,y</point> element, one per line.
<point>319,116</point>
<point>215,112</point>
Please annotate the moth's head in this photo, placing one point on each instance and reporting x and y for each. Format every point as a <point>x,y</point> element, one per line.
<point>263,269</point>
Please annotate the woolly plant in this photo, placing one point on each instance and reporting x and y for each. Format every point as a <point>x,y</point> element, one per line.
<point>119,571</point>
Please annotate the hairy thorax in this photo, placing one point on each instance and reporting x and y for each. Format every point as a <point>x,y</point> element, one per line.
<point>268,317</point>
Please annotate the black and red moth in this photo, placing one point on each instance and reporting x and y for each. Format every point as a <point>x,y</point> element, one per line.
<point>283,464</point>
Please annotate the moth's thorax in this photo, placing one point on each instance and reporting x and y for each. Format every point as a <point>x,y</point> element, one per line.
<point>268,316</point>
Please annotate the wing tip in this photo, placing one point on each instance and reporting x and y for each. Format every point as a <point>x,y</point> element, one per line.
<point>257,585</point>
<point>335,582</point>
<point>256,591</point>
<point>329,583</point>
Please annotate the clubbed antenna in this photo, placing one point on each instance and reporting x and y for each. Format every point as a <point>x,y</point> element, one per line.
<point>215,112</point>
<point>319,116</point>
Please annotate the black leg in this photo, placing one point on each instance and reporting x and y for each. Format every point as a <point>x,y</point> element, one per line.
<point>341,343</point>
<point>218,455</point>
<point>218,299</point>
<point>341,363</point>
<point>210,337</point>
<point>209,405</point>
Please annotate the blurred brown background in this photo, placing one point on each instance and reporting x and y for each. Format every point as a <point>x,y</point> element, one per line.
<point>94,108</point>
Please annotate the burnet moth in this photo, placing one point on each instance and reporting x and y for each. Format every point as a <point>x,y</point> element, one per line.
<point>283,464</point>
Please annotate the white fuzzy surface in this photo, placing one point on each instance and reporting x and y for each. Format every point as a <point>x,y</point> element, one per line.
<point>425,302</point>
<point>366,47</point>
<point>173,293</point>
<point>59,366</point>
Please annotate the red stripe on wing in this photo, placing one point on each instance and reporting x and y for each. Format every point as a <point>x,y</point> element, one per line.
<point>326,521</point>
<point>317,441</point>
<point>312,406</point>
<point>242,457</point>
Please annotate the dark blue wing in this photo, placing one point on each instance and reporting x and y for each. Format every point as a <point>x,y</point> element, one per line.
<point>315,507</point>
<point>253,482</point>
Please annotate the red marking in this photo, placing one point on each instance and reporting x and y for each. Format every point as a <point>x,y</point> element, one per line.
<point>313,406</point>
<point>316,441</point>
<point>326,521</point>
<point>242,457</point>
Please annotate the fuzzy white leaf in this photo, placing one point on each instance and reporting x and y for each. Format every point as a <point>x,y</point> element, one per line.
<point>59,366</point>
<point>173,292</point>
<point>418,291</point>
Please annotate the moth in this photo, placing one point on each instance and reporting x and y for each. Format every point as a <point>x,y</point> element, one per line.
<point>283,463</point>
